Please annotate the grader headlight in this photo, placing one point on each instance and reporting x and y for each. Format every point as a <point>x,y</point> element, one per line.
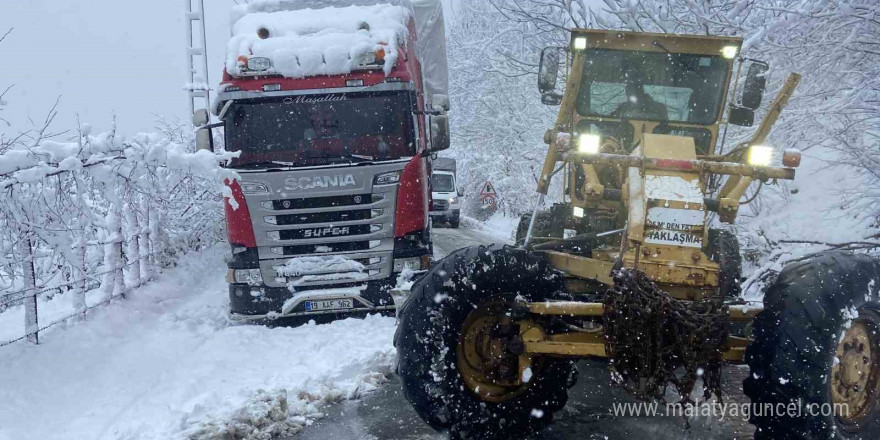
<point>729,52</point>
<point>760,155</point>
<point>588,143</point>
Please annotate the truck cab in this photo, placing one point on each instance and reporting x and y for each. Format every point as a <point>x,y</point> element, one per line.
<point>334,123</point>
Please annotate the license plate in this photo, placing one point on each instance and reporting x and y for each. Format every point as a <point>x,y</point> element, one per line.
<point>330,304</point>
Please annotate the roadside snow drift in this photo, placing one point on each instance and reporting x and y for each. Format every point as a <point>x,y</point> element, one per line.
<point>165,363</point>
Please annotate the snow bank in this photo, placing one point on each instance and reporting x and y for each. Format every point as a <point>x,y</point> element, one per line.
<point>813,207</point>
<point>305,42</point>
<point>166,363</point>
<point>500,226</point>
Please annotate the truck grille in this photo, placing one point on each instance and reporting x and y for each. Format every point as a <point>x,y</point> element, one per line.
<point>441,205</point>
<point>326,232</point>
<point>322,202</point>
<point>355,222</point>
<point>320,217</point>
<point>326,248</point>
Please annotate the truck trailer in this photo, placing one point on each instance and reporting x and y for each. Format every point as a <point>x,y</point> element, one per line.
<point>335,108</point>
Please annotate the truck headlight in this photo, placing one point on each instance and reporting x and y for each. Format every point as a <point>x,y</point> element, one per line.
<point>259,64</point>
<point>453,200</point>
<point>387,178</point>
<point>249,276</point>
<point>253,188</point>
<point>760,155</point>
<point>588,143</point>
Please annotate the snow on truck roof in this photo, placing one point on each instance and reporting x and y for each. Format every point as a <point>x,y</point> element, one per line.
<point>331,37</point>
<point>309,42</point>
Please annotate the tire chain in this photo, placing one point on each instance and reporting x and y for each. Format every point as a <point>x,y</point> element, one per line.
<point>650,336</point>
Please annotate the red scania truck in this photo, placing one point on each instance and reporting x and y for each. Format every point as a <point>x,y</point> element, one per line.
<point>336,108</point>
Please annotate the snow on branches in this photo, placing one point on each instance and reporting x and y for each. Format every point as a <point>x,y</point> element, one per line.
<point>101,210</point>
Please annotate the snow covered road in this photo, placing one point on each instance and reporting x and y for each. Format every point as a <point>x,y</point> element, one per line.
<point>166,363</point>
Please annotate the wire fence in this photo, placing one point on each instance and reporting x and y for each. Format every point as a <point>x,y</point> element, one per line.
<point>90,218</point>
<point>90,282</point>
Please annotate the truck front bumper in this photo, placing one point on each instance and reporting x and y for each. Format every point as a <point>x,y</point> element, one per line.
<point>262,303</point>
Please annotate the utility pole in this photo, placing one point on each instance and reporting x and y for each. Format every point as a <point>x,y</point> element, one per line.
<point>197,88</point>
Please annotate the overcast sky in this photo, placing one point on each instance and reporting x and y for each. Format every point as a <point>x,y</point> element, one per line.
<point>102,57</point>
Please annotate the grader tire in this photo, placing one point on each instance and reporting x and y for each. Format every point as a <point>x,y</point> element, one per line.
<point>428,343</point>
<point>810,349</point>
<point>724,250</point>
<point>547,224</point>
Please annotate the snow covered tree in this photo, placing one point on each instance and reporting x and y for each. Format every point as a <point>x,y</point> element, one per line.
<point>498,120</point>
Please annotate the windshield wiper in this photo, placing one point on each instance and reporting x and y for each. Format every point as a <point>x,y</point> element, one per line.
<point>351,158</point>
<point>268,164</point>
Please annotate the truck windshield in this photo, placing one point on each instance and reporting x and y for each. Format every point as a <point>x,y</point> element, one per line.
<point>655,86</point>
<point>442,182</point>
<point>308,130</point>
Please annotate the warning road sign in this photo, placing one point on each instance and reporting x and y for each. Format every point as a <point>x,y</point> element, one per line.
<point>488,189</point>
<point>488,196</point>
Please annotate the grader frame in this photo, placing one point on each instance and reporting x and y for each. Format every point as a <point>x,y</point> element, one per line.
<point>685,272</point>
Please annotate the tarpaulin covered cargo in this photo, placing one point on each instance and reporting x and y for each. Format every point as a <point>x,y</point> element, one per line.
<point>443,163</point>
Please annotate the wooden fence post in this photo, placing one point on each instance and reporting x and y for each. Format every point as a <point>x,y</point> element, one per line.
<point>119,281</point>
<point>144,243</point>
<point>132,234</point>
<point>31,322</point>
<point>79,274</point>
<point>113,283</point>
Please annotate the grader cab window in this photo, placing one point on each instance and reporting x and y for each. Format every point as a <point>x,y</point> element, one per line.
<point>654,86</point>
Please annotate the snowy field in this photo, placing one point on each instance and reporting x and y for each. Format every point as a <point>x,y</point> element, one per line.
<point>166,363</point>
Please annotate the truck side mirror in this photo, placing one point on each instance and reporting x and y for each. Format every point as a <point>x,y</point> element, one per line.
<point>460,191</point>
<point>204,140</point>
<point>753,89</point>
<point>440,102</point>
<point>439,134</point>
<point>741,116</point>
<point>548,71</point>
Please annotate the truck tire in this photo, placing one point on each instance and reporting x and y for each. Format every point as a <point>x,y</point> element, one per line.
<point>811,350</point>
<point>455,222</point>
<point>433,358</point>
<point>724,249</point>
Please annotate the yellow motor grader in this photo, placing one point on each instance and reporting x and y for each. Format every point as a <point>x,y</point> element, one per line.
<point>630,266</point>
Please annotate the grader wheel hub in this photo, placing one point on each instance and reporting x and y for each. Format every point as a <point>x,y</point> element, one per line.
<point>487,360</point>
<point>856,371</point>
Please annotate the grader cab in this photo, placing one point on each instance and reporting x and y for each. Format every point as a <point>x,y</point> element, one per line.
<point>634,264</point>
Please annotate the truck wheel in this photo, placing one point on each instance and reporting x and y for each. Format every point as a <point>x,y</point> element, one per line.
<point>453,354</point>
<point>724,250</point>
<point>455,222</point>
<point>817,347</point>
